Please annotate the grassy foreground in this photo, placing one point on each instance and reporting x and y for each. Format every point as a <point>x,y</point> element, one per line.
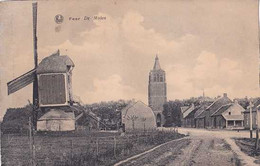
<point>248,147</point>
<point>92,148</point>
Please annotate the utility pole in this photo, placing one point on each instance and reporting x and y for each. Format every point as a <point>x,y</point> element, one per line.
<point>251,118</point>
<point>31,142</point>
<point>258,107</point>
<point>33,122</point>
<point>35,82</point>
<point>257,128</point>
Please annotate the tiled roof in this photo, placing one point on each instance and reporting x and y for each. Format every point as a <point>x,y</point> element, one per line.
<point>184,108</point>
<point>222,109</point>
<point>234,117</point>
<point>193,111</point>
<point>188,111</point>
<point>218,103</point>
<point>200,112</point>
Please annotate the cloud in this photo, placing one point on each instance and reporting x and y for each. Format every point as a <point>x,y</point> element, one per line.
<point>118,45</point>
<point>110,89</point>
<point>113,58</point>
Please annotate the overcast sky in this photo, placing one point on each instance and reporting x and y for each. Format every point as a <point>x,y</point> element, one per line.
<point>202,44</point>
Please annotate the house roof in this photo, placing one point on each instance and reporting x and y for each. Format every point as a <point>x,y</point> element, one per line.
<point>184,108</point>
<point>222,109</point>
<point>233,117</point>
<point>188,111</point>
<point>55,63</point>
<point>139,107</point>
<point>58,114</point>
<point>218,103</point>
<point>193,111</point>
<point>200,113</point>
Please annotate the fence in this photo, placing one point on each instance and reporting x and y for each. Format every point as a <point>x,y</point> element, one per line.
<point>80,150</point>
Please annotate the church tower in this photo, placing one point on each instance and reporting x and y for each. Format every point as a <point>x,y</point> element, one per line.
<point>157,96</point>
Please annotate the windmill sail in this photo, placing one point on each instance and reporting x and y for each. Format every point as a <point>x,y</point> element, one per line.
<point>21,81</point>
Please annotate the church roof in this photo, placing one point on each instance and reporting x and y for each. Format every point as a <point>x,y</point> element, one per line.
<point>156,64</point>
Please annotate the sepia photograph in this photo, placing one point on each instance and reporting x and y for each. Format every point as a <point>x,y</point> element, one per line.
<point>130,83</point>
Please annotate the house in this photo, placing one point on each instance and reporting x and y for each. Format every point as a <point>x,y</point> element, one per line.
<point>229,116</point>
<point>219,102</point>
<point>138,116</point>
<point>183,109</point>
<point>87,121</point>
<point>188,116</point>
<point>255,107</point>
<point>199,115</point>
<point>57,119</point>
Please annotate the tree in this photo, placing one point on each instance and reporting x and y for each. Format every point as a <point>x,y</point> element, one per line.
<point>133,118</point>
<point>143,120</point>
<point>109,112</point>
<point>172,113</point>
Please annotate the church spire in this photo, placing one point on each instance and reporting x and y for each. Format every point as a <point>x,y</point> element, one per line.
<point>156,63</point>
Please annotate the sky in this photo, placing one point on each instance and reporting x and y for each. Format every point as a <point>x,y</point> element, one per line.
<point>202,44</point>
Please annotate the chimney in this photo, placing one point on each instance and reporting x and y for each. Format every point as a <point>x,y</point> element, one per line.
<point>235,101</point>
<point>224,94</point>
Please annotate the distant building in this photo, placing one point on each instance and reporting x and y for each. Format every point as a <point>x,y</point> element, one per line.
<point>219,102</point>
<point>138,116</point>
<point>183,109</point>
<point>255,108</point>
<point>204,119</point>
<point>199,115</point>
<point>157,92</point>
<point>229,116</point>
<point>188,116</point>
<point>87,121</point>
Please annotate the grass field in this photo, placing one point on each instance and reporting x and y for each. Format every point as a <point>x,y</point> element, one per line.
<point>95,148</point>
<point>248,147</point>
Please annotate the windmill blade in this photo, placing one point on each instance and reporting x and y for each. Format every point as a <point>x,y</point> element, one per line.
<point>21,81</point>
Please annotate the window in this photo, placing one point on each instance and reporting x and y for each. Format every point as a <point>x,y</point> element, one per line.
<point>229,113</point>
<point>161,79</point>
<point>157,79</point>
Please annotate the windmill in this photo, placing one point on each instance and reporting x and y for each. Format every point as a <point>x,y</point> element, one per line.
<point>29,77</point>
<point>52,89</point>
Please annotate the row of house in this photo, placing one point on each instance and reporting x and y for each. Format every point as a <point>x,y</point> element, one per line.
<point>221,113</point>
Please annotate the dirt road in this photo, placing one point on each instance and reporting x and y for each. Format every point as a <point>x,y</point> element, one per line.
<point>201,148</point>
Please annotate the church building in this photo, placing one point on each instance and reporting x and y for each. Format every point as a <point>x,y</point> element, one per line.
<point>157,92</point>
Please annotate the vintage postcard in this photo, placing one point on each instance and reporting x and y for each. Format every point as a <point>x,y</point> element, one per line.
<point>133,82</point>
